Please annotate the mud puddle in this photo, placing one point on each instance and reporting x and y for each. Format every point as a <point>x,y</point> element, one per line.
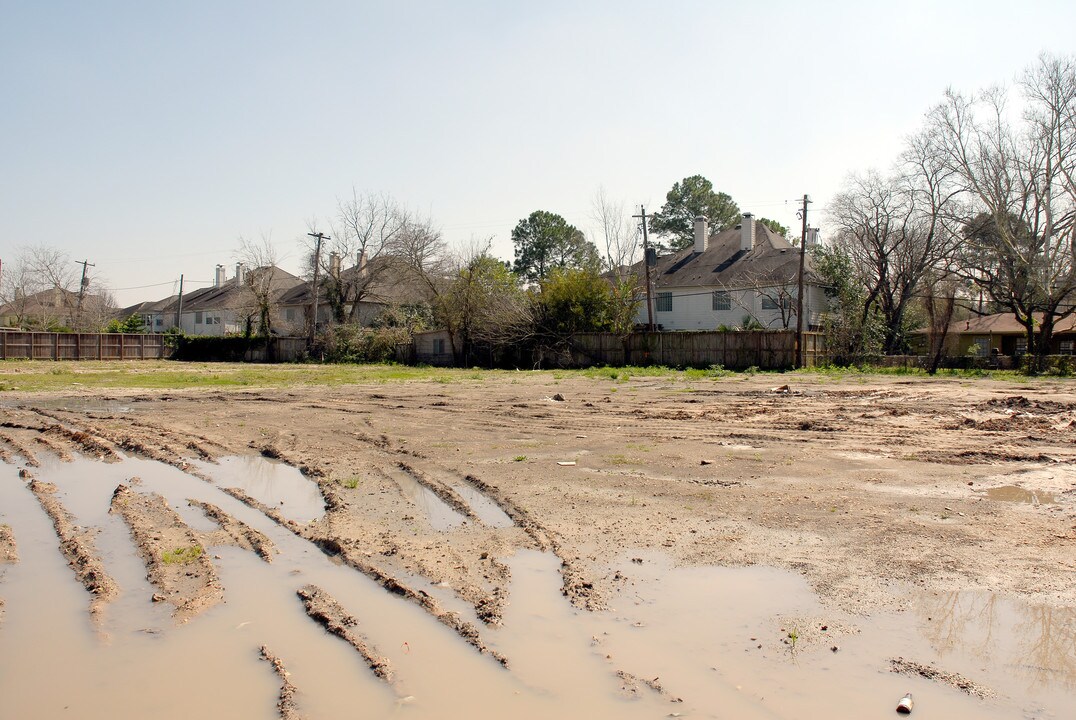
<point>271,482</point>
<point>437,511</point>
<point>699,630</point>
<point>677,641</point>
<point>489,512</point>
<point>1013,493</point>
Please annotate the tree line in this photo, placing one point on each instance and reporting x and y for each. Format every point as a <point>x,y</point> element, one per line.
<point>976,216</point>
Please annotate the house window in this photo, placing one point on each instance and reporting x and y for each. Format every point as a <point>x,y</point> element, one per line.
<point>1066,347</point>
<point>1021,346</point>
<point>722,301</point>
<point>981,346</point>
<point>769,303</point>
<point>664,303</point>
<point>289,314</point>
<point>158,322</point>
<point>198,318</point>
<point>439,346</point>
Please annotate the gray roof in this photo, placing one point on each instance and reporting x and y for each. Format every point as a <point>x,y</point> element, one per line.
<point>223,297</point>
<point>772,261</point>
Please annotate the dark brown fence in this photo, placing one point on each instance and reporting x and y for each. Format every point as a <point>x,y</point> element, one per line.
<point>81,346</point>
<point>764,349</point>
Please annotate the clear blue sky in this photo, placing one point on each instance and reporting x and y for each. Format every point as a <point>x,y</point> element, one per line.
<point>147,137</point>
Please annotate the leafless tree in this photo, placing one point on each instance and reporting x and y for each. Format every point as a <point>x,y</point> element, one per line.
<point>260,288</point>
<point>779,294</point>
<point>474,296</point>
<point>619,234</point>
<point>1018,181</point>
<point>894,229</point>
<point>39,289</point>
<point>365,231</point>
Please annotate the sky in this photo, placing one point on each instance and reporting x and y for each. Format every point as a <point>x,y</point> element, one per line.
<point>148,138</point>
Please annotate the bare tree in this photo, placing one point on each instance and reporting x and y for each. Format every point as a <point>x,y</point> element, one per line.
<point>1018,180</point>
<point>619,234</point>
<point>259,287</point>
<point>38,290</point>
<point>894,230</point>
<point>774,295</point>
<point>474,296</point>
<point>365,231</point>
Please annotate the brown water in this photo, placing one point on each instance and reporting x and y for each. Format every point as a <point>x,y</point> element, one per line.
<point>1012,493</point>
<point>271,482</point>
<point>689,627</point>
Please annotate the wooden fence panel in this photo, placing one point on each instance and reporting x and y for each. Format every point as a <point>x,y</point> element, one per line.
<point>80,346</point>
<point>764,349</point>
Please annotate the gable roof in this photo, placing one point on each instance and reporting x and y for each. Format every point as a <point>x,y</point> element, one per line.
<point>772,261</point>
<point>390,283</point>
<point>223,297</point>
<point>1000,324</point>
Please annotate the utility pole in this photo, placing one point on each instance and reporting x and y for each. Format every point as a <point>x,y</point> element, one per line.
<point>82,285</point>
<point>179,305</point>
<point>799,292</point>
<point>646,268</point>
<point>319,236</point>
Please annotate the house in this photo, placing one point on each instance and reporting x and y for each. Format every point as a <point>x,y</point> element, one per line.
<point>747,273</point>
<point>380,284</point>
<point>226,307</point>
<point>998,334</point>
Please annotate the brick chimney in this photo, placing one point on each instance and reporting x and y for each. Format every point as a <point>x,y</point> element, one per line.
<point>362,264</point>
<point>701,234</point>
<point>747,232</point>
<point>334,265</point>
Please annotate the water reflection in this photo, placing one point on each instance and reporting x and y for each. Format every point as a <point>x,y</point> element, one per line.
<point>1038,641</point>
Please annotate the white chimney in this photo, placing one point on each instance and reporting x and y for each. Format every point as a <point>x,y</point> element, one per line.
<point>747,232</point>
<point>334,265</point>
<point>362,264</point>
<point>218,278</point>
<point>701,232</point>
<point>240,274</point>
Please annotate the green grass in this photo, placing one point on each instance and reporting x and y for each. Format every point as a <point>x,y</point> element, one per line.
<point>351,483</point>
<point>163,374</point>
<point>520,458</point>
<point>181,555</point>
<point>36,376</point>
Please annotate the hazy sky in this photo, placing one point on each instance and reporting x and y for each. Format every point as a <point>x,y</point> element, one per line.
<point>147,137</point>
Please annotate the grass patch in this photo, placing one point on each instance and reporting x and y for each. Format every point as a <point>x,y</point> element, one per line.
<point>181,555</point>
<point>520,458</point>
<point>351,483</point>
<point>40,375</point>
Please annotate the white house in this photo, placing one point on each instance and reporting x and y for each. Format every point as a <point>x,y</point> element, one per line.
<point>747,274</point>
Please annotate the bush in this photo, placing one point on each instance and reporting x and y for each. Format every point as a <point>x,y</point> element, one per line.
<point>214,349</point>
<point>356,344</point>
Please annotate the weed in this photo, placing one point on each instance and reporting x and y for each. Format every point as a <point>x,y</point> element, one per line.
<point>520,458</point>
<point>793,636</point>
<point>181,555</point>
<point>351,483</point>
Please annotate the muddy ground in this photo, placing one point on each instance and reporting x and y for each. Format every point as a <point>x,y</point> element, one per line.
<point>872,489</point>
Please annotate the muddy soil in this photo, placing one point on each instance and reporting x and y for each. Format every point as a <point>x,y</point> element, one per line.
<point>876,492</point>
<point>78,547</point>
<point>175,558</point>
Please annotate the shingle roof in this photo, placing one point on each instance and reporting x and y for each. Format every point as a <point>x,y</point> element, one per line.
<point>772,261</point>
<point>1000,324</point>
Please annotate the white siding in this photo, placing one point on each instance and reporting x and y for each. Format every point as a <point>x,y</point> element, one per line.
<point>692,309</point>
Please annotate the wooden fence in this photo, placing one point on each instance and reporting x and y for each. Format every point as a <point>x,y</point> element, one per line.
<point>81,346</point>
<point>764,349</point>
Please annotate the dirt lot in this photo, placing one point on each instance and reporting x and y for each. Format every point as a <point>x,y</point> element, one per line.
<point>875,490</point>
